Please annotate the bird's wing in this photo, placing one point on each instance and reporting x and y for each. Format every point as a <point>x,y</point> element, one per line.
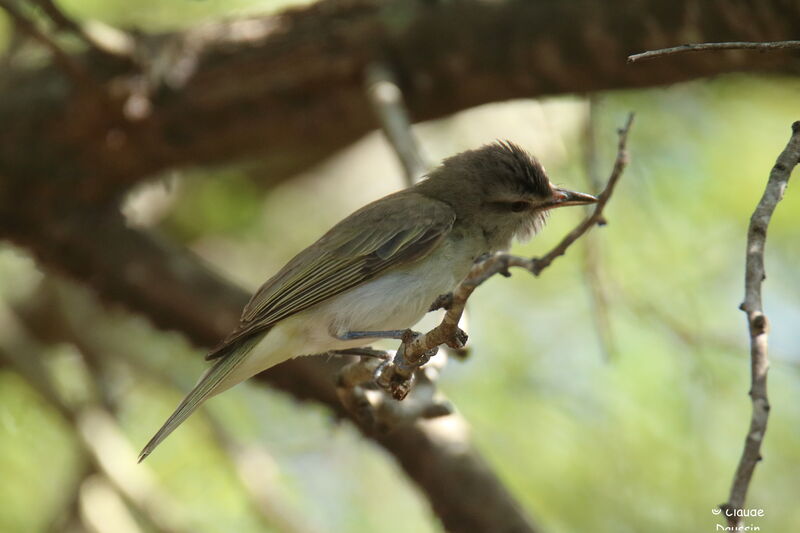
<point>379,236</point>
<point>384,234</point>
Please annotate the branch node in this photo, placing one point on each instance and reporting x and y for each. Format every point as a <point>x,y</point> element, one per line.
<point>459,339</point>
<point>443,301</point>
<point>759,324</point>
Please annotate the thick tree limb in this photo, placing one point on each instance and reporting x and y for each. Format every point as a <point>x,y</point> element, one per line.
<point>303,98</point>
<point>757,323</point>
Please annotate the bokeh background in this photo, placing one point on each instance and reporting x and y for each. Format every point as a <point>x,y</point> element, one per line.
<point>610,394</point>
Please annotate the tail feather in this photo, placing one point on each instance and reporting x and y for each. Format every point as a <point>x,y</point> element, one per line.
<point>207,386</point>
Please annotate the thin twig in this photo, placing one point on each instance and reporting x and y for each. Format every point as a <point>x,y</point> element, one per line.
<point>62,21</point>
<point>592,254</point>
<point>100,38</point>
<point>397,376</point>
<point>700,47</point>
<point>619,165</point>
<point>73,70</point>
<point>757,322</point>
<point>387,102</point>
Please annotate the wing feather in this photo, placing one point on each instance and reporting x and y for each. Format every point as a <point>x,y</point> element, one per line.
<point>382,235</point>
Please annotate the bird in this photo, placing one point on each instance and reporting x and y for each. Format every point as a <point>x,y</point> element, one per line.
<point>379,269</point>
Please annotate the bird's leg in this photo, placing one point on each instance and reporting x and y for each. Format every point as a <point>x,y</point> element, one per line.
<point>351,387</point>
<point>397,334</point>
<point>443,301</point>
<point>395,375</point>
<point>362,352</point>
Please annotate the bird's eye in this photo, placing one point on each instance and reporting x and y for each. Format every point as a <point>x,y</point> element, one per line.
<point>519,206</point>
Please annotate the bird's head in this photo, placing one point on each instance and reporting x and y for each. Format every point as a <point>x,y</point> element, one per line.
<point>502,189</point>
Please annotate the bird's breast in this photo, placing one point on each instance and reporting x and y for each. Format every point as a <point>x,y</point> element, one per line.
<point>399,298</point>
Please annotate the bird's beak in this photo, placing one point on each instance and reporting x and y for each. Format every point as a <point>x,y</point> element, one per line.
<point>564,197</point>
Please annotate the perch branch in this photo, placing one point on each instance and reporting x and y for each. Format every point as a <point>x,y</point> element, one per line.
<point>701,47</point>
<point>757,322</point>
<point>415,350</point>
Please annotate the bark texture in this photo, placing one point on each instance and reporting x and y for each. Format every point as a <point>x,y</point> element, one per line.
<point>289,88</point>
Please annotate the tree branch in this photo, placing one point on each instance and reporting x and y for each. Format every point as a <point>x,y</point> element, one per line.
<point>703,47</point>
<point>757,322</point>
<point>304,97</point>
<point>387,102</point>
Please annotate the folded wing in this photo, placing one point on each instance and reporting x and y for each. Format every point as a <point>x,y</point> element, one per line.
<point>396,230</point>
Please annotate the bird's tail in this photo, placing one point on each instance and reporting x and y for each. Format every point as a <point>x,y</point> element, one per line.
<point>208,385</point>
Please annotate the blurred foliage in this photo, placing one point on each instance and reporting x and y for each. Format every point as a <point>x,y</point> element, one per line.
<point>163,15</point>
<point>227,205</point>
<point>647,441</point>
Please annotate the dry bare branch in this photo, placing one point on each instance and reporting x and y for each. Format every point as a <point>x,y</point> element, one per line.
<point>757,323</point>
<point>703,47</point>
<point>387,101</point>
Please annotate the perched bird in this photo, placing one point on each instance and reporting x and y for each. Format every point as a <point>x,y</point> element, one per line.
<point>380,268</point>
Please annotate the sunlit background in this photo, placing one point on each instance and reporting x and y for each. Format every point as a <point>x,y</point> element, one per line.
<point>610,394</point>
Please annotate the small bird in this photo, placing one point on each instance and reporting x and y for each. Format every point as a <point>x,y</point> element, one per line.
<point>378,270</point>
